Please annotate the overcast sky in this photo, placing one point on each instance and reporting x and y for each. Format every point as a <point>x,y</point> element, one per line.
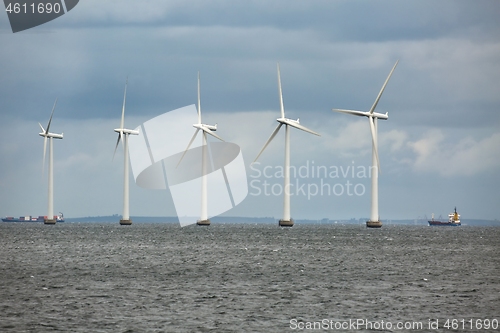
<point>440,147</point>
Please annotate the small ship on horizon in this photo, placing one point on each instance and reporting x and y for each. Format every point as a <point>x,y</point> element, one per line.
<point>41,218</point>
<point>453,220</point>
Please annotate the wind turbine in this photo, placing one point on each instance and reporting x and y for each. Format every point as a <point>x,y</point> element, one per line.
<point>47,135</point>
<point>123,133</point>
<point>206,129</point>
<point>286,221</point>
<point>374,221</point>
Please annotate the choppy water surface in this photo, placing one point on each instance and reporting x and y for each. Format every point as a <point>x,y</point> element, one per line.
<point>241,278</point>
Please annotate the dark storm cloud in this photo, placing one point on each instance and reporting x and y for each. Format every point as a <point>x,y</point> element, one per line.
<point>339,20</point>
<point>161,45</point>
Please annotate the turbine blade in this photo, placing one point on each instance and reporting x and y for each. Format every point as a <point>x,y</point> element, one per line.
<point>43,130</point>
<point>50,119</point>
<point>374,141</point>
<point>122,121</point>
<point>208,131</point>
<point>383,88</point>
<point>353,112</point>
<point>189,145</point>
<point>282,107</point>
<point>117,143</point>
<point>269,140</point>
<point>199,100</point>
<point>300,127</point>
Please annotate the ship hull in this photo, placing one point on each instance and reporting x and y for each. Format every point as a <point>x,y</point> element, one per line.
<point>444,224</point>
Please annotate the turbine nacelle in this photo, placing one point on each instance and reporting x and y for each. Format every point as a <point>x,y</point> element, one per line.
<point>296,124</point>
<point>209,129</point>
<point>52,135</point>
<point>47,134</point>
<point>126,131</point>
<point>288,121</point>
<point>383,116</point>
<point>205,126</point>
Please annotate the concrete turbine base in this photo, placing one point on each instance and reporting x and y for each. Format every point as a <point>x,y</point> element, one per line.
<point>203,222</point>
<point>284,223</point>
<point>374,224</point>
<point>49,221</point>
<point>126,222</point>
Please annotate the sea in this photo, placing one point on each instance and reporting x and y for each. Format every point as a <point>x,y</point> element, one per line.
<point>159,277</point>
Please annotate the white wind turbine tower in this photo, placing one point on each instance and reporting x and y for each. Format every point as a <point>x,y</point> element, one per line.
<point>206,129</point>
<point>286,221</point>
<point>374,221</point>
<point>123,133</point>
<point>50,219</point>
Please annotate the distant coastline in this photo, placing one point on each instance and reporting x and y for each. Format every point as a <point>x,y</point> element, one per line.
<point>268,220</point>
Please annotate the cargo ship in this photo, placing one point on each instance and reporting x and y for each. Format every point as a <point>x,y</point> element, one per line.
<point>58,218</point>
<point>453,220</point>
